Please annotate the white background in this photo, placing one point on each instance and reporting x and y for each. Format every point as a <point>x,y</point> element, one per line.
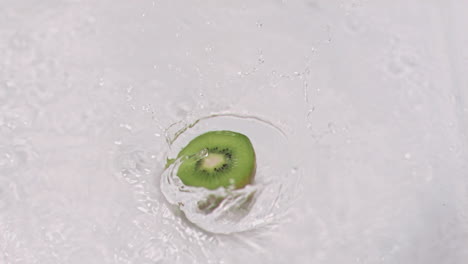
<point>373,97</point>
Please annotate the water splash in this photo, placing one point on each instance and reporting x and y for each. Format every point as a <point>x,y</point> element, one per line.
<point>171,136</point>
<point>226,210</point>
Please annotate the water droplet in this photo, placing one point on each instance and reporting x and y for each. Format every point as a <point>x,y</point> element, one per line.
<point>101,82</point>
<point>126,126</point>
<point>5,159</point>
<point>12,158</point>
<point>331,128</point>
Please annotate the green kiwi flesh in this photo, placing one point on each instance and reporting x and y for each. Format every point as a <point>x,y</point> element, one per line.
<point>228,160</point>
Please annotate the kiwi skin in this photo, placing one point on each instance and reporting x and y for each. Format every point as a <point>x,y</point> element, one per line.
<point>238,162</point>
<point>169,162</point>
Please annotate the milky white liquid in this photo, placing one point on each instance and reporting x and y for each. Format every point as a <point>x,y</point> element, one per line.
<point>362,158</point>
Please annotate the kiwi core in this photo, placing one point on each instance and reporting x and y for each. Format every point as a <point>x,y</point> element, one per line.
<point>212,161</point>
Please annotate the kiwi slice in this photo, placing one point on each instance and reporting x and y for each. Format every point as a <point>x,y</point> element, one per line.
<point>228,160</point>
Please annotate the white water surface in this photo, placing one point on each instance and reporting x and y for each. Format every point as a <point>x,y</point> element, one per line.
<point>371,98</point>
